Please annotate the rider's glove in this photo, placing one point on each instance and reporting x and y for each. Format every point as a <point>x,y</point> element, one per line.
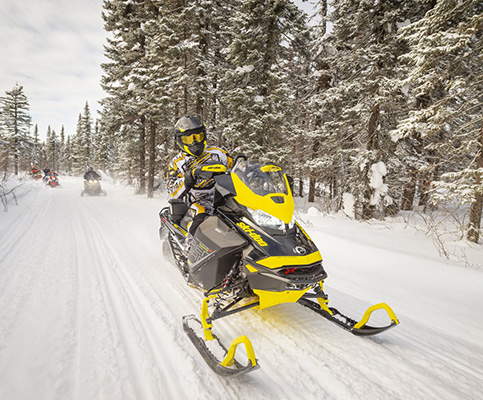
<point>189,179</point>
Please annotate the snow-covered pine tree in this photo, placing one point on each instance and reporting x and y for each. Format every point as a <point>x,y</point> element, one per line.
<point>317,166</point>
<point>87,135</point>
<point>52,148</point>
<point>152,77</point>
<point>16,120</point>
<point>49,148</point>
<point>96,139</point>
<point>447,77</point>
<point>62,152</point>
<point>77,149</point>
<point>128,78</point>
<point>124,50</point>
<point>35,155</point>
<point>258,98</point>
<point>216,33</point>
<point>195,36</point>
<point>68,157</point>
<point>164,63</point>
<point>363,103</point>
<point>107,151</point>
<point>299,69</point>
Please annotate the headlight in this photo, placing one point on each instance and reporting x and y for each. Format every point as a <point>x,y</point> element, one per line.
<point>266,220</point>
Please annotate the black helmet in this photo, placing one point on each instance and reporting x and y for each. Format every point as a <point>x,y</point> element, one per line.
<point>190,135</point>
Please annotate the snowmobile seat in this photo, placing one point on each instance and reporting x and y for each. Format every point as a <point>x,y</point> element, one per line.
<point>177,209</point>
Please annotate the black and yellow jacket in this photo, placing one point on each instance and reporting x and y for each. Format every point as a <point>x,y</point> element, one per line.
<point>183,162</point>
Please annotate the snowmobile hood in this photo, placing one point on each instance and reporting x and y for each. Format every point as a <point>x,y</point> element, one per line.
<point>279,205</point>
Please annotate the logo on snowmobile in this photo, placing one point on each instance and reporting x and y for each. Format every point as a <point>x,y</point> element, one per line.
<point>251,232</point>
<point>299,250</point>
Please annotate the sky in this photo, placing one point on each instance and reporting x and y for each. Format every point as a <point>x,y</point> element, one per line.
<point>54,49</point>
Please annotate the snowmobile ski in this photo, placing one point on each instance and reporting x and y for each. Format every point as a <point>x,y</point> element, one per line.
<point>229,366</point>
<point>357,328</point>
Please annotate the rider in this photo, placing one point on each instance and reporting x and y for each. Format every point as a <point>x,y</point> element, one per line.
<point>91,174</point>
<point>181,179</point>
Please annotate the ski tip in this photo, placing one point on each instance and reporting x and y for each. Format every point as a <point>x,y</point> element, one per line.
<point>229,366</point>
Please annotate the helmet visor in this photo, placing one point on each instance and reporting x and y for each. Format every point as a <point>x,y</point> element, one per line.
<point>194,138</point>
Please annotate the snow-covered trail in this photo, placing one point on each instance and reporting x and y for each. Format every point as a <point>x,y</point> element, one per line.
<point>90,309</point>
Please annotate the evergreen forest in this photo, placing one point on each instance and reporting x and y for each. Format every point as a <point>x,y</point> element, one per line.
<point>376,104</point>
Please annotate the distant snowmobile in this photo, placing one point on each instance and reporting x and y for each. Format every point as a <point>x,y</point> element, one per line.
<point>53,181</point>
<point>250,254</point>
<point>37,174</point>
<point>92,187</point>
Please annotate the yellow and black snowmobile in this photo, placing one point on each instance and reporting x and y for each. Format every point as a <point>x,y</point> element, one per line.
<point>250,254</point>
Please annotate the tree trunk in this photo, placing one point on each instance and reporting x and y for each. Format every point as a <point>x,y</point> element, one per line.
<point>367,208</point>
<point>301,187</point>
<point>371,130</point>
<point>15,157</point>
<point>312,189</point>
<point>408,195</point>
<point>152,158</point>
<point>142,157</point>
<point>476,208</point>
<point>333,187</point>
<point>424,185</point>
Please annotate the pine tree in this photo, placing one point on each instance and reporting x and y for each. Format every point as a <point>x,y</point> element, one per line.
<point>361,103</point>
<point>447,81</point>
<point>258,94</point>
<point>77,149</point>
<point>127,73</point>
<point>16,120</point>
<point>49,148</point>
<point>54,146</point>
<point>87,135</point>
<point>62,150</point>
<point>35,156</point>
<point>68,156</point>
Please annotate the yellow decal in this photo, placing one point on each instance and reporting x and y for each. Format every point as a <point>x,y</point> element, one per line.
<point>250,268</point>
<point>270,168</point>
<point>214,168</point>
<point>281,261</point>
<point>251,232</point>
<point>269,299</point>
<point>179,228</point>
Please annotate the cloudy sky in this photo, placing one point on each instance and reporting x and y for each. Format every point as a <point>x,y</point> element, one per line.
<point>54,49</point>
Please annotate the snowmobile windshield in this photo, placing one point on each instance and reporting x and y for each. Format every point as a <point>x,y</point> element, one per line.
<point>262,179</point>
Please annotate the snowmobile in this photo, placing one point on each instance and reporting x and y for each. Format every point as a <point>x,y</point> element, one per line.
<point>36,174</point>
<point>92,187</point>
<point>251,254</point>
<point>53,181</point>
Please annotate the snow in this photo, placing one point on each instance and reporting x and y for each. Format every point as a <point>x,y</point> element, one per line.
<point>91,309</point>
<point>245,69</point>
<point>403,24</point>
<point>313,211</point>
<point>377,172</point>
<point>348,202</point>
